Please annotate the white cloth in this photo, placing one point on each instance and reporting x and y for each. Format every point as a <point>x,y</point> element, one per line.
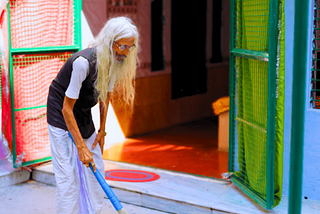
<point>64,167</point>
<point>79,74</point>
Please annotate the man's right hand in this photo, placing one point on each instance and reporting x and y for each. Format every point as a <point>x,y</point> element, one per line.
<point>85,156</point>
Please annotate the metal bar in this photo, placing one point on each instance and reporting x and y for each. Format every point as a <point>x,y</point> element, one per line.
<point>249,192</point>
<point>231,89</point>
<point>14,146</point>
<point>30,108</point>
<point>77,23</point>
<point>257,127</point>
<point>271,119</point>
<point>51,49</point>
<point>80,34</point>
<point>28,163</point>
<point>262,56</point>
<point>298,103</point>
<point>315,100</point>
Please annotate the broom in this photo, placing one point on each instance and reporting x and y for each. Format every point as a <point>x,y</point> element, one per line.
<point>106,188</point>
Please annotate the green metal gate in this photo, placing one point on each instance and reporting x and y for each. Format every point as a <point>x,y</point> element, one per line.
<point>253,68</point>
<point>42,35</point>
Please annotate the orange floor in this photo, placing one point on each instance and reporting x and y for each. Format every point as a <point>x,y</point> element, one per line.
<point>189,148</point>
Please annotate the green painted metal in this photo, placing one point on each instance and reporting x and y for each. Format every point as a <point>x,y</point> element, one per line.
<point>273,21</point>
<point>246,48</point>
<point>48,49</point>
<point>14,146</point>
<point>302,10</point>
<point>29,108</point>
<point>28,163</point>
<point>249,192</point>
<point>231,85</point>
<point>258,55</point>
<point>77,22</point>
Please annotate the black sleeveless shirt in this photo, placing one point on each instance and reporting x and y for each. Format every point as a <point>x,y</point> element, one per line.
<point>87,97</point>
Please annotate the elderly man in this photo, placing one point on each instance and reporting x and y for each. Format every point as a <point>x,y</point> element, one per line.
<point>87,77</point>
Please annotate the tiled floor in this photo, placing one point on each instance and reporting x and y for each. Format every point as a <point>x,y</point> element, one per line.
<point>189,148</point>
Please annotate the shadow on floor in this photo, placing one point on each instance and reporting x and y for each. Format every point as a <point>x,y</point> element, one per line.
<point>189,148</point>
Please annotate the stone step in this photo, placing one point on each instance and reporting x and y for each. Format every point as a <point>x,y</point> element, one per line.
<point>180,193</point>
<point>10,176</point>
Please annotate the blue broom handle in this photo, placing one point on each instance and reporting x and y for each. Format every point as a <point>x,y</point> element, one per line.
<point>106,188</point>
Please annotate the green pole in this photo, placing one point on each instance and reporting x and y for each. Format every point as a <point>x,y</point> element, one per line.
<point>14,146</point>
<point>271,120</point>
<point>231,89</point>
<point>77,18</point>
<point>298,104</point>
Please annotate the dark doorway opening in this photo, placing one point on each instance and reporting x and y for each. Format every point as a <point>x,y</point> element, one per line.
<point>157,22</point>
<point>216,32</point>
<point>188,48</point>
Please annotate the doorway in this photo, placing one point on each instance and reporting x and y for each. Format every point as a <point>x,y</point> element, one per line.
<point>190,147</point>
<point>188,48</point>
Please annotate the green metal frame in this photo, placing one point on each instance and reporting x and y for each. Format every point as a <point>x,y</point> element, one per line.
<point>38,50</point>
<point>300,52</point>
<point>270,57</point>
<point>231,86</point>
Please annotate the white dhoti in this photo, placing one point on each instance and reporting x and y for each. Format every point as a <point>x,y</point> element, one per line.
<point>64,167</point>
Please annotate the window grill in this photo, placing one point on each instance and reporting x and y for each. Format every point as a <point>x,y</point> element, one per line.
<point>315,71</point>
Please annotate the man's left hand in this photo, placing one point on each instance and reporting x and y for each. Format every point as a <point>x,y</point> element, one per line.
<point>99,139</point>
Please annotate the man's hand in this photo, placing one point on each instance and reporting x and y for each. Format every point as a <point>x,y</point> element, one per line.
<point>86,157</point>
<point>99,139</point>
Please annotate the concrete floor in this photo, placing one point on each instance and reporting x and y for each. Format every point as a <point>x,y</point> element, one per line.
<point>171,193</point>
<point>33,197</point>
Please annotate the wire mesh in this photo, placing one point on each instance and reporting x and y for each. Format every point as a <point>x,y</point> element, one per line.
<point>251,24</point>
<point>41,23</point>
<point>32,75</point>
<point>315,72</point>
<point>251,101</point>
<point>32,138</point>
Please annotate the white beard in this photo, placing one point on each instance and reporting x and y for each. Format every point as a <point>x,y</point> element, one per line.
<point>117,68</point>
<point>118,71</point>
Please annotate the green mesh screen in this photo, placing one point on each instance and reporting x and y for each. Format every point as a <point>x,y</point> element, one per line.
<point>251,93</point>
<point>32,75</point>
<point>252,24</point>
<point>257,72</point>
<point>41,23</point>
<point>43,34</point>
<point>315,73</point>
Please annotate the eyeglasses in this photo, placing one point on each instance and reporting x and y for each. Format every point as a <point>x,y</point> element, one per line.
<point>123,47</point>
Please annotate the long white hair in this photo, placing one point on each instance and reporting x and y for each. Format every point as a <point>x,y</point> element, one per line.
<point>115,29</point>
